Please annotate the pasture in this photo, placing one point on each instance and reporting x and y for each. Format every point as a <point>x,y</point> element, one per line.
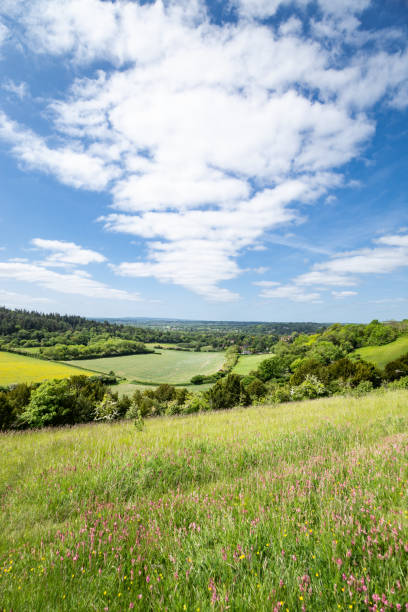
<point>127,388</point>
<point>247,363</point>
<point>289,507</point>
<point>381,355</point>
<point>20,368</point>
<point>167,366</point>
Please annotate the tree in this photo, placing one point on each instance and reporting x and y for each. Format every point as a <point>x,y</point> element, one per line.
<point>50,404</point>
<point>274,367</point>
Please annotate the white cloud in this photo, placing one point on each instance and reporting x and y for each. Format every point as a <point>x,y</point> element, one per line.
<point>70,166</point>
<point>346,269</point>
<point>18,89</point>
<point>266,8</point>
<point>76,283</point>
<point>206,137</point>
<point>63,253</point>
<point>266,283</point>
<point>343,294</point>
<point>4,33</point>
<point>12,299</point>
<point>289,292</point>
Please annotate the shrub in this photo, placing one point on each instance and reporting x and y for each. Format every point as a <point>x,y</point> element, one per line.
<point>397,369</point>
<point>227,393</point>
<point>256,388</point>
<point>198,379</point>
<point>310,388</point>
<point>363,387</point>
<point>196,403</point>
<point>107,409</point>
<point>400,383</point>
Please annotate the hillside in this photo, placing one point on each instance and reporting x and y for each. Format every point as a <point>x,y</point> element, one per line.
<point>381,355</point>
<point>299,506</point>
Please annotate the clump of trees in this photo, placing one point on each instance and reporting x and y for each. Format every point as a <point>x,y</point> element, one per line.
<point>56,402</point>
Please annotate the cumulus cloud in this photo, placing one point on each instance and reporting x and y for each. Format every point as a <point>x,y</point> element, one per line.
<point>71,165</point>
<point>67,253</point>
<point>206,136</point>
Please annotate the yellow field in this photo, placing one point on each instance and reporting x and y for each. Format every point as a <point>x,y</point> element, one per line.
<point>20,368</point>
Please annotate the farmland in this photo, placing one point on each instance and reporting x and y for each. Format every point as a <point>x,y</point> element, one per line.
<point>19,368</point>
<point>167,366</point>
<point>292,507</point>
<point>381,355</point>
<point>247,363</point>
<point>126,388</point>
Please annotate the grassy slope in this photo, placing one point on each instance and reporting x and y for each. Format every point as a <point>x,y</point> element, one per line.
<point>244,508</point>
<point>381,355</point>
<point>19,368</point>
<point>167,367</point>
<point>247,363</point>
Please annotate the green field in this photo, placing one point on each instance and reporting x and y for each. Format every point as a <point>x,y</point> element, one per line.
<point>174,367</point>
<point>19,368</point>
<point>381,355</point>
<point>292,507</point>
<point>247,363</point>
<point>127,388</point>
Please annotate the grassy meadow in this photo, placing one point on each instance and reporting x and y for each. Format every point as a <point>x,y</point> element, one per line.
<point>247,363</point>
<point>20,368</point>
<point>165,366</point>
<point>381,355</point>
<point>288,507</point>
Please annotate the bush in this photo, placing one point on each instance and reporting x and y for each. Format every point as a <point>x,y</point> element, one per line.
<point>310,388</point>
<point>400,383</point>
<point>107,409</point>
<point>198,379</point>
<point>227,393</point>
<point>363,387</point>
<point>256,388</point>
<point>397,369</point>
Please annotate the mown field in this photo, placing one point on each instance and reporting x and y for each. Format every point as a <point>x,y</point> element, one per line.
<point>127,388</point>
<point>381,355</point>
<point>293,507</point>
<point>19,368</point>
<point>174,367</point>
<point>247,363</point>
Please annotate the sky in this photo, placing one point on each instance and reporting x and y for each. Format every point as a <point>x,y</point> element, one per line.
<point>205,159</point>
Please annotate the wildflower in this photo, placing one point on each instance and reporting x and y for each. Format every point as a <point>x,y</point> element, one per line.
<point>242,557</point>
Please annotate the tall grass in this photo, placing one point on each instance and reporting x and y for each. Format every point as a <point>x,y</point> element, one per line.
<point>295,507</point>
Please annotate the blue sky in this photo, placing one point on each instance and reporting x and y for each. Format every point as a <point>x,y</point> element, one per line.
<point>228,159</point>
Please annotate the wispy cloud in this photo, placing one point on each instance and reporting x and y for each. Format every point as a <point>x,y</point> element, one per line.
<point>66,253</point>
<point>346,269</point>
<point>18,89</point>
<point>77,282</point>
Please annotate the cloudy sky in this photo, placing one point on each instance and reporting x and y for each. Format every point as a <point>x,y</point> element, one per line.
<point>212,159</point>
